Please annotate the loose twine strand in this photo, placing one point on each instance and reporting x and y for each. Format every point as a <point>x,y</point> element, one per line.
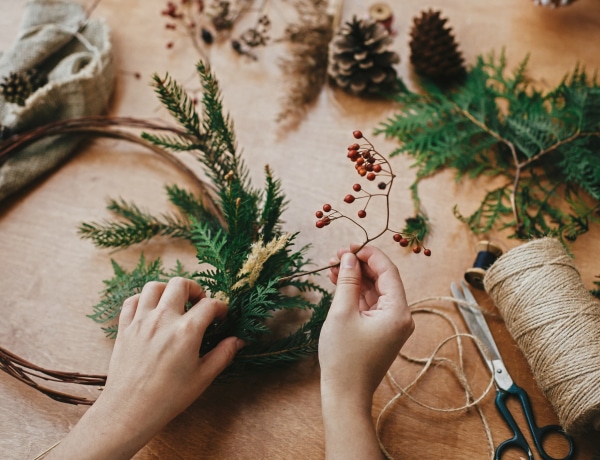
<point>556,323</point>
<point>554,320</point>
<point>432,360</point>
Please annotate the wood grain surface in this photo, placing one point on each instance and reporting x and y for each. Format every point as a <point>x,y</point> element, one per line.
<point>50,278</point>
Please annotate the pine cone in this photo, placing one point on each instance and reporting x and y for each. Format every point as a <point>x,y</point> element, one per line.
<point>434,52</point>
<point>16,88</point>
<point>358,58</point>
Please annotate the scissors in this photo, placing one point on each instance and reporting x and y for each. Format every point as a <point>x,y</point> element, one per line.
<point>505,386</point>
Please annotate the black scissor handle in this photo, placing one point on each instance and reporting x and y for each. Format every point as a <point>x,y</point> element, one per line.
<point>539,434</point>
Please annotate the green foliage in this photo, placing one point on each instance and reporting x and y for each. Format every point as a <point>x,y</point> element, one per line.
<point>125,284</point>
<point>244,256</point>
<point>497,124</point>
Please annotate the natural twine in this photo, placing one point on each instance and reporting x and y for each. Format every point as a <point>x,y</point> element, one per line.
<point>556,323</point>
<point>433,361</point>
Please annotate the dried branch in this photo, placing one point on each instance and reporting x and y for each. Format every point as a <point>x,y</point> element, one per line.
<point>25,372</point>
<point>106,127</point>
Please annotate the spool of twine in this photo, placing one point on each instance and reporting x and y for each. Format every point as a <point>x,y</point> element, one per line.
<point>556,323</point>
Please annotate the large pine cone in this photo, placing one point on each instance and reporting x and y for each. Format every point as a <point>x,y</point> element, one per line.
<point>434,52</point>
<point>359,61</point>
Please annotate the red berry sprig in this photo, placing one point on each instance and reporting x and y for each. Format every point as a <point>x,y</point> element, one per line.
<point>370,165</point>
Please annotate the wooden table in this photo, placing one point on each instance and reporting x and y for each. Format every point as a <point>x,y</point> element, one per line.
<point>50,278</point>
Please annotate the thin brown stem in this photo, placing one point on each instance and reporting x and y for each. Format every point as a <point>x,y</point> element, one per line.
<point>338,215</point>
<point>513,152</point>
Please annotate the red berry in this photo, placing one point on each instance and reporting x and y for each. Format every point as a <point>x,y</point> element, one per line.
<point>397,237</point>
<point>377,168</point>
<point>326,220</point>
<point>362,213</point>
<point>319,214</point>
<point>371,159</point>
<point>360,161</point>
<point>416,249</point>
<point>382,185</point>
<point>320,224</point>
<point>427,252</point>
<point>356,187</point>
<point>326,207</point>
<point>369,167</point>
<point>357,134</point>
<point>362,171</point>
<point>403,242</point>
<point>349,198</point>
<point>354,147</point>
<point>371,176</point>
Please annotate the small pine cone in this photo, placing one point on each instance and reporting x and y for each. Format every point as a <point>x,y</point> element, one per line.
<point>36,78</point>
<point>16,88</point>
<point>359,61</point>
<point>434,52</point>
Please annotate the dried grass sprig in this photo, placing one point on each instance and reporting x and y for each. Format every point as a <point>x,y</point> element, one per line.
<point>305,70</point>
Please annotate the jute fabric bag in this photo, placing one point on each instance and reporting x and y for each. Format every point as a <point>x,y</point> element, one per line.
<point>76,56</point>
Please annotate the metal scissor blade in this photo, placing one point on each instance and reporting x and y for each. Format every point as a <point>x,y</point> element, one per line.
<point>487,338</point>
<point>478,326</point>
<point>473,318</point>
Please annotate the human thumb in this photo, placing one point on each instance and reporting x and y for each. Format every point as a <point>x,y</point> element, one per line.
<point>347,293</point>
<point>216,360</point>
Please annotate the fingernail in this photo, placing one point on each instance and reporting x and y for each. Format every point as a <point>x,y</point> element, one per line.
<point>239,344</point>
<point>348,260</point>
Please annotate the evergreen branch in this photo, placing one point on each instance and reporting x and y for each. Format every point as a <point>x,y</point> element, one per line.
<point>496,124</point>
<point>239,243</point>
<point>274,204</point>
<point>123,285</point>
<point>139,226</point>
<point>178,103</point>
<point>210,245</point>
<point>171,143</point>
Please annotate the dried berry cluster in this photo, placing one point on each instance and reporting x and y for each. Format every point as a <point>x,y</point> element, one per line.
<point>186,17</point>
<point>370,165</point>
<point>205,24</point>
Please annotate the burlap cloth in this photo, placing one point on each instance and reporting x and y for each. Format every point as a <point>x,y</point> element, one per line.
<point>76,55</point>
